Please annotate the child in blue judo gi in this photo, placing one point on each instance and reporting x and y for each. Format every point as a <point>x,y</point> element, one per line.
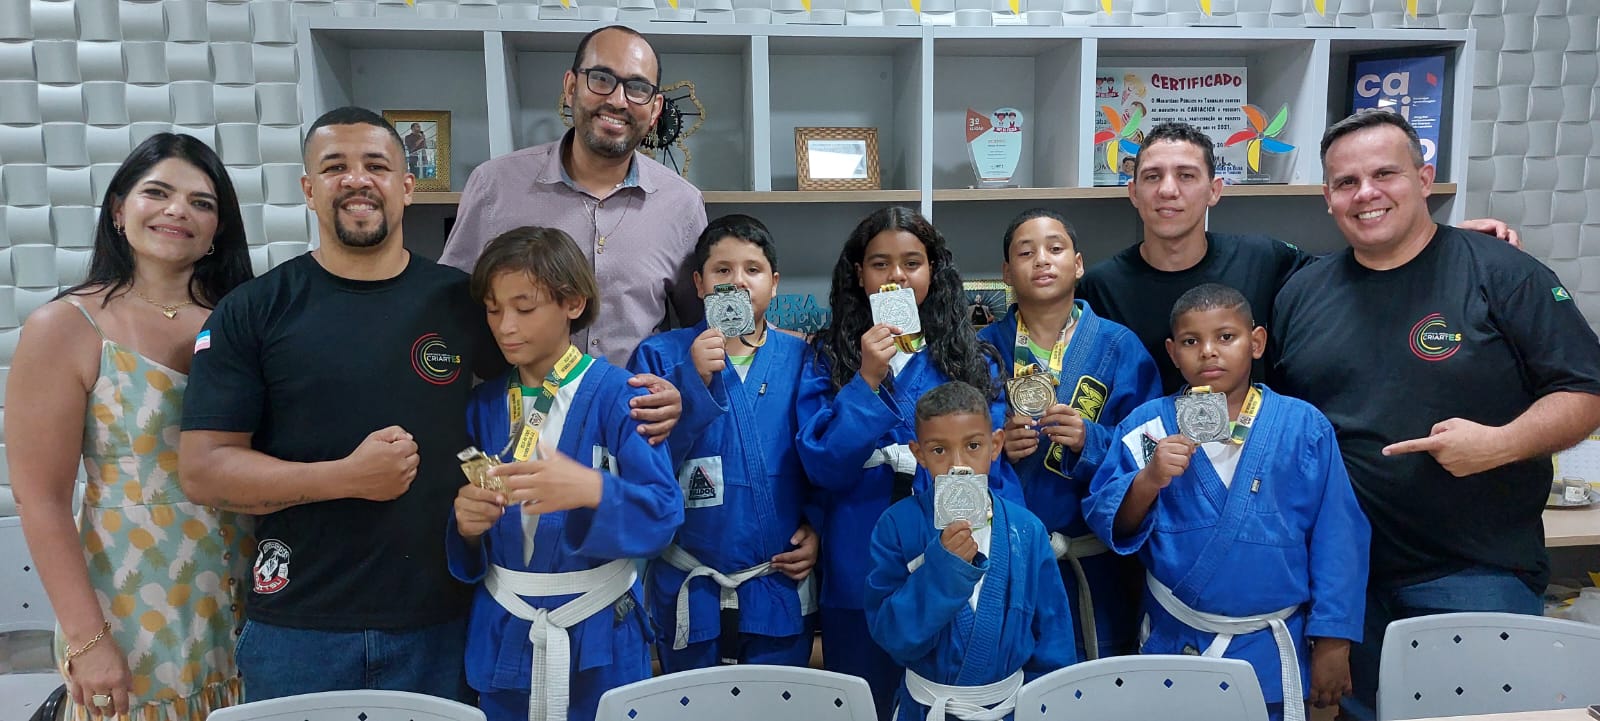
<point>1099,372</point>
<point>1254,545</point>
<point>556,620</point>
<point>736,585</point>
<point>857,396</point>
<point>964,589</point>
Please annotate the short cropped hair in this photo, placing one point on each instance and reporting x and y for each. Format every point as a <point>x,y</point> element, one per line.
<point>1372,118</point>
<point>583,46</point>
<point>1210,296</point>
<point>1182,133</point>
<point>1034,214</point>
<point>350,115</point>
<point>951,398</point>
<point>736,225</point>
<point>550,257</point>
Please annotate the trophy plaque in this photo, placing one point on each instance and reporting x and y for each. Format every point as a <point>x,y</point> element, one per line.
<point>960,495</point>
<point>994,145</point>
<point>729,310</point>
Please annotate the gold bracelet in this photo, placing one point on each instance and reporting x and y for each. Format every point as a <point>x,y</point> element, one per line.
<point>71,654</point>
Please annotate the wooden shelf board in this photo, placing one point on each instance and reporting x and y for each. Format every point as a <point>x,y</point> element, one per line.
<point>813,196</point>
<point>419,198</point>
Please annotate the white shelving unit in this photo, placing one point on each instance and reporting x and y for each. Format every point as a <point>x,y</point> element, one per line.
<point>501,81</point>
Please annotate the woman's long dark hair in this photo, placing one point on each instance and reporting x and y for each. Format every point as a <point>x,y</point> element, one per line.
<point>955,348</point>
<point>228,265</point>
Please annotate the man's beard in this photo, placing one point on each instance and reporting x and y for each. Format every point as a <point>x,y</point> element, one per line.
<point>608,147</point>
<point>353,238</point>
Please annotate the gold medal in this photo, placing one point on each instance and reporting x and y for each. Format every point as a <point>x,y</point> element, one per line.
<point>1031,392</point>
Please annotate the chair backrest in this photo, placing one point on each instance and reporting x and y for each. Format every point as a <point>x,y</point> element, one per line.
<point>1477,663</point>
<point>23,605</point>
<point>363,705</point>
<point>1140,688</point>
<point>768,693</point>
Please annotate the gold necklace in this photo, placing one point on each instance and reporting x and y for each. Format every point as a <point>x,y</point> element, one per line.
<point>170,311</point>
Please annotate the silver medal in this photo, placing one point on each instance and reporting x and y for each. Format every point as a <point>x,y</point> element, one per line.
<point>1031,393</point>
<point>897,307</point>
<point>729,310</point>
<point>960,495</point>
<point>1203,417</point>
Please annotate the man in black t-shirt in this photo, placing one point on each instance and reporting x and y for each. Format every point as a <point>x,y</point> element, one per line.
<point>1451,367</point>
<point>328,398</point>
<point>1174,184</point>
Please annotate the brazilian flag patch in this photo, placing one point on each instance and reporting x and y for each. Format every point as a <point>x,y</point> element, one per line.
<point>1560,294</point>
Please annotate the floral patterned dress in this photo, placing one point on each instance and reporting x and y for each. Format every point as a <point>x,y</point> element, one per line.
<point>166,571</point>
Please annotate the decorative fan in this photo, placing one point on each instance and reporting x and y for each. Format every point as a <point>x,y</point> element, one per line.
<point>672,127</point>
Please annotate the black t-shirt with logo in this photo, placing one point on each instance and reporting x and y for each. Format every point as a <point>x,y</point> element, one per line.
<point>1471,328</point>
<point>1127,290</point>
<point>310,364</point>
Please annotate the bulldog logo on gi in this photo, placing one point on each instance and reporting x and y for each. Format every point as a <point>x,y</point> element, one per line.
<point>271,571</point>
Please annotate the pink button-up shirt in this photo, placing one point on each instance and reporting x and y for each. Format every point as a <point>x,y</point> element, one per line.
<point>639,239</point>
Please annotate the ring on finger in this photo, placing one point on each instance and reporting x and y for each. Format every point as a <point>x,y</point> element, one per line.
<point>100,700</point>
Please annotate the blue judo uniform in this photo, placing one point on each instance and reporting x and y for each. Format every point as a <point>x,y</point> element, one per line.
<point>640,509</point>
<point>1105,374</point>
<point>1286,533</point>
<point>854,444</point>
<point>744,491</point>
<point>923,618</point>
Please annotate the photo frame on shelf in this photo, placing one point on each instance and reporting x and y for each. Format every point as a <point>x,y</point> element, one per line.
<point>425,138</point>
<point>1413,82</point>
<point>836,158</point>
<point>988,300</point>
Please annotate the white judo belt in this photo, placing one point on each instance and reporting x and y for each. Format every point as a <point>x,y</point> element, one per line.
<point>897,456</point>
<point>1226,627</point>
<point>728,588</point>
<point>1071,549</point>
<point>991,702</point>
<point>552,654</point>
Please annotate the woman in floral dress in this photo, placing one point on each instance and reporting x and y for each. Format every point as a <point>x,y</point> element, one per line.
<point>143,582</point>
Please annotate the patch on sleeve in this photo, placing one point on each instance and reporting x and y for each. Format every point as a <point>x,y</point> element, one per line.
<point>1141,441</point>
<point>1560,294</point>
<point>203,341</point>
<point>603,460</point>
<point>701,481</point>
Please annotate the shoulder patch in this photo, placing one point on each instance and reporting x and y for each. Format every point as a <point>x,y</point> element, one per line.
<point>1560,294</point>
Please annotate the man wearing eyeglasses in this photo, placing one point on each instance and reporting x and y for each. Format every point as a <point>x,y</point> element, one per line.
<point>635,219</point>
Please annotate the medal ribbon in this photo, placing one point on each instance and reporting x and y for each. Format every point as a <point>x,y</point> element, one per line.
<point>1058,352</point>
<point>572,363</point>
<point>1239,430</point>
<point>909,343</point>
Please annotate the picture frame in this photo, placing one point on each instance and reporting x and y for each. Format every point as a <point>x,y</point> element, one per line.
<point>1428,106</point>
<point>425,138</point>
<point>836,158</point>
<point>988,300</point>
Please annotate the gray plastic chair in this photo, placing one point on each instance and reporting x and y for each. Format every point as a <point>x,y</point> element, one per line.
<point>27,626</point>
<point>364,705</point>
<point>1457,664</point>
<point>1140,688</point>
<point>768,693</point>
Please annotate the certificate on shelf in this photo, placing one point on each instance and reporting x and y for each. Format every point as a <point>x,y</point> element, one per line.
<point>1414,87</point>
<point>838,159</point>
<point>1210,99</point>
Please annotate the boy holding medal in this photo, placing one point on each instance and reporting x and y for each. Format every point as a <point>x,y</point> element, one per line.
<point>559,592</point>
<point>735,587</point>
<point>1255,546</point>
<point>964,591</point>
<point>1085,373</point>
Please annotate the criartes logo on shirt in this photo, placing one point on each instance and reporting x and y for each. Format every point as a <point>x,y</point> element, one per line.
<point>1432,339</point>
<point>271,571</point>
<point>433,360</point>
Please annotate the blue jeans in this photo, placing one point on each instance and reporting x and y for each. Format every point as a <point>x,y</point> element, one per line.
<point>1474,589</point>
<point>278,661</point>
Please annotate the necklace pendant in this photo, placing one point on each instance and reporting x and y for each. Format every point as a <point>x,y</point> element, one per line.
<point>170,312</point>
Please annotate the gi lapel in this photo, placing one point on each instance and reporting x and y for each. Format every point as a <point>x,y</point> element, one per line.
<point>744,400</point>
<point>983,650</point>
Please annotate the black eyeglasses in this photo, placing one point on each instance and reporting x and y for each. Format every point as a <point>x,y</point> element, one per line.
<point>602,82</point>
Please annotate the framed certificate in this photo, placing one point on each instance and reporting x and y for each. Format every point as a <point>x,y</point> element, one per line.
<point>836,158</point>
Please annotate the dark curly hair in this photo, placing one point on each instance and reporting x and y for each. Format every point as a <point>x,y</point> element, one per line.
<point>955,348</point>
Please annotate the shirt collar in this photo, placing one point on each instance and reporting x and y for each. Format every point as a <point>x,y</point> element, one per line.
<point>555,172</point>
